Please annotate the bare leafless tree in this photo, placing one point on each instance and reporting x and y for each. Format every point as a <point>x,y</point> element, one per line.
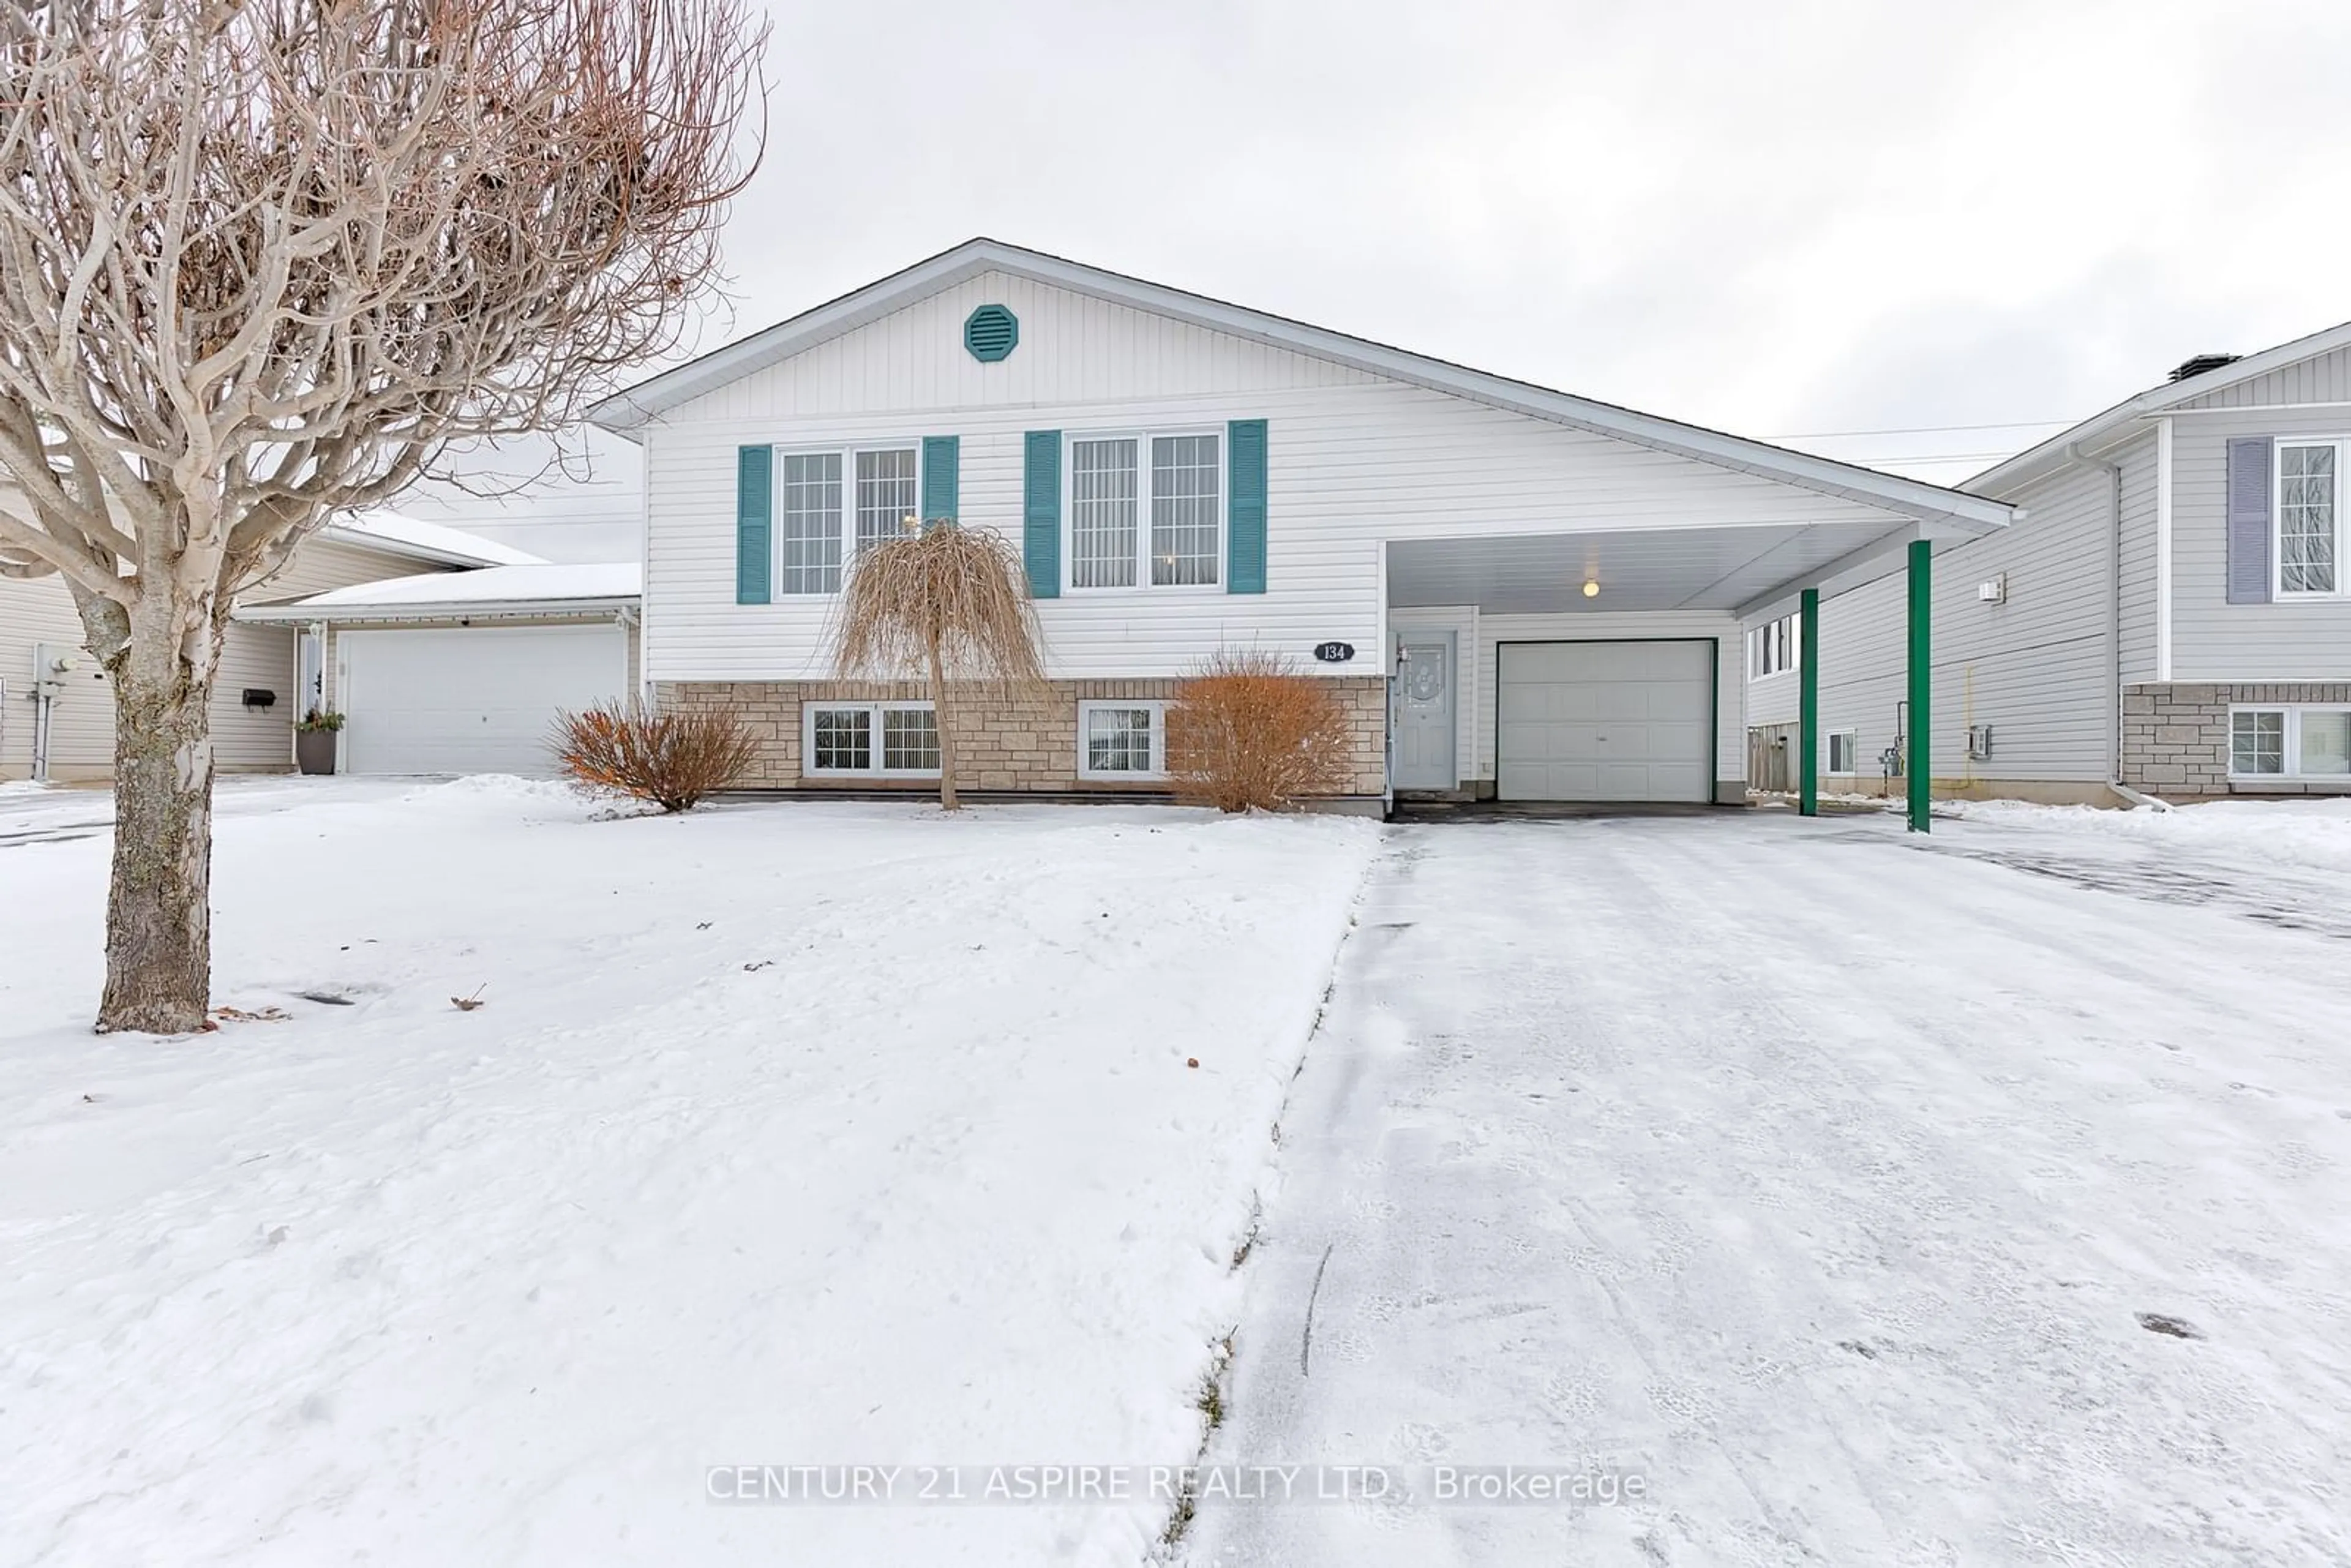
<point>263,260</point>
<point>950,607</point>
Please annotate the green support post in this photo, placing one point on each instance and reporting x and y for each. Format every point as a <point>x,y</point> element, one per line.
<point>1808,712</point>
<point>1921,761</point>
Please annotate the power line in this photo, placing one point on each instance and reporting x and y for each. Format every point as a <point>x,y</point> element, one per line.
<point>1934,457</point>
<point>1923,430</point>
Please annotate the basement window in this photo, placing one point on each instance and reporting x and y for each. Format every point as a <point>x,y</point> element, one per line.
<point>2298,742</point>
<point>874,740</point>
<point>1121,740</point>
<point>2257,743</point>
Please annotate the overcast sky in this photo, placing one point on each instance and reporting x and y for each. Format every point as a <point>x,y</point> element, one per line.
<point>1775,218</point>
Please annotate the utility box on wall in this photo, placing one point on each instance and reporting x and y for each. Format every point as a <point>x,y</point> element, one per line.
<point>55,663</point>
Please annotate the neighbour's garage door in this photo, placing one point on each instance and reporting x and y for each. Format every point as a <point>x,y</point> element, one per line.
<point>1605,721</point>
<point>477,699</point>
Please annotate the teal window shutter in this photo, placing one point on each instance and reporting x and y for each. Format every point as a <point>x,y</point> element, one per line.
<point>1040,512</point>
<point>1245,507</point>
<point>753,471</point>
<point>942,476</point>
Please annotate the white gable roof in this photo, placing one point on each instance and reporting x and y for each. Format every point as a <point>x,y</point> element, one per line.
<point>629,412</point>
<point>380,528</point>
<point>2122,420</point>
<point>540,588</point>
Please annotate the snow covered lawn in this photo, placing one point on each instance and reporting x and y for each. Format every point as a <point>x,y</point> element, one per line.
<point>786,1134</point>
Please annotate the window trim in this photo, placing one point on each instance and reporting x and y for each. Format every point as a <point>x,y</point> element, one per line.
<point>812,706</point>
<point>1143,436</point>
<point>846,526</point>
<point>1779,643</point>
<point>1157,773</point>
<point>2289,740</point>
<point>1852,739</point>
<point>2279,592</point>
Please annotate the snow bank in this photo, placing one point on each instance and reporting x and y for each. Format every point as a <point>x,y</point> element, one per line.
<point>786,1134</point>
<point>2307,833</point>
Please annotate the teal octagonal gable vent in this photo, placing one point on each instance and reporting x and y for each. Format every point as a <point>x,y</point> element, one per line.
<point>991,333</point>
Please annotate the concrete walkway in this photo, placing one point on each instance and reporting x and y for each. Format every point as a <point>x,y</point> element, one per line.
<point>1815,1181</point>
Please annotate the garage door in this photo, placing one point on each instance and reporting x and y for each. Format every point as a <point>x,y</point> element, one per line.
<point>1605,721</point>
<point>471,700</point>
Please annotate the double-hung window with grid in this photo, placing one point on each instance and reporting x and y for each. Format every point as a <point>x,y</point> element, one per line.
<point>832,507</point>
<point>2309,520</point>
<point>1147,510</point>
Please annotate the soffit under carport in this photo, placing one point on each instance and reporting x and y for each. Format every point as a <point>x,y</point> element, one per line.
<point>1723,569</point>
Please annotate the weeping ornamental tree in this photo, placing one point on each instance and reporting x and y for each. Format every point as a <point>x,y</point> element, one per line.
<point>950,607</point>
<point>264,260</point>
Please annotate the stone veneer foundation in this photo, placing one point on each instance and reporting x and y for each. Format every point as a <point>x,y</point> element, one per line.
<point>2175,736</point>
<point>1000,744</point>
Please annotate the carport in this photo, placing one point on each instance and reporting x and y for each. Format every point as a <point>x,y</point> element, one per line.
<point>1605,667</point>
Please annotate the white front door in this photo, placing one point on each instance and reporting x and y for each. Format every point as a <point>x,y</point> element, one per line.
<point>1604,721</point>
<point>1423,712</point>
<point>479,699</point>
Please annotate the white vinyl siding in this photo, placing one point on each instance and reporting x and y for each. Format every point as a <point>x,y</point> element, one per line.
<point>878,740</point>
<point>1351,459</point>
<point>2292,742</point>
<point>1121,740</point>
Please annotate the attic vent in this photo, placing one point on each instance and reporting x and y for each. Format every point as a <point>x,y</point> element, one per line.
<point>991,332</point>
<point>2202,362</point>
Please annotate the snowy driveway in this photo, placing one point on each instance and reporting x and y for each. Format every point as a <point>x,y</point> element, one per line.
<point>1812,1179</point>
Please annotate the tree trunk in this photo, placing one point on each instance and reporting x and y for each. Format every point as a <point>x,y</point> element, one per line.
<point>947,801</point>
<point>159,907</point>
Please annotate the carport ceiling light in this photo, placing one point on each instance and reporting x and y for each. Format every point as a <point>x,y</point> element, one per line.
<point>1591,588</point>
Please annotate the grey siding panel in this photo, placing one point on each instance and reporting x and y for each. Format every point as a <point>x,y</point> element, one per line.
<point>2138,465</point>
<point>2034,667</point>
<point>1774,699</point>
<point>2322,378</point>
<point>2211,639</point>
<point>1350,460</point>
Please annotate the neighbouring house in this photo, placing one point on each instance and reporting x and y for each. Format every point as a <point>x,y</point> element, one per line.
<point>1519,593</point>
<point>2170,615</point>
<point>262,686</point>
<point>465,672</point>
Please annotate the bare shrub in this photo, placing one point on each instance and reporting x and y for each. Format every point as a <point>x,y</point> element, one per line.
<point>1247,732</point>
<point>673,759</point>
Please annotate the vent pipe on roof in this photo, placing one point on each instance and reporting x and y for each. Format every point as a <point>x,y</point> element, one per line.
<point>2202,362</point>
